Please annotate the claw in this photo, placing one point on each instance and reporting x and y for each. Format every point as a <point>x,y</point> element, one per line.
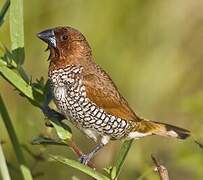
<point>84,159</point>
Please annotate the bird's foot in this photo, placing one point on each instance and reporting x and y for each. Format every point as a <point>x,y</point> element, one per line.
<point>85,158</point>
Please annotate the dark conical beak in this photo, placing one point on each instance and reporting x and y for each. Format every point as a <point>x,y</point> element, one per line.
<point>48,36</point>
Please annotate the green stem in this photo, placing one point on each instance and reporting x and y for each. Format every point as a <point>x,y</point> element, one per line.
<point>12,134</point>
<point>17,31</point>
<point>120,159</point>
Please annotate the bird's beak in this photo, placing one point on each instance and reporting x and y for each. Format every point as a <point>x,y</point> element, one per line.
<point>48,36</point>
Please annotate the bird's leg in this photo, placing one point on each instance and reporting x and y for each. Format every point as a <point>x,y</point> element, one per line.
<point>78,152</point>
<point>85,158</point>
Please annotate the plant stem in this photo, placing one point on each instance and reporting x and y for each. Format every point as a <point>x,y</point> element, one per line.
<point>12,134</point>
<point>120,159</point>
<point>17,31</point>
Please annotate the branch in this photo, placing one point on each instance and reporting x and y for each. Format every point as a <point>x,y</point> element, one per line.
<point>163,173</point>
<point>79,153</point>
<point>69,143</point>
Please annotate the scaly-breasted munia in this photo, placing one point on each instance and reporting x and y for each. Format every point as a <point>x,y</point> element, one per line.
<point>86,94</point>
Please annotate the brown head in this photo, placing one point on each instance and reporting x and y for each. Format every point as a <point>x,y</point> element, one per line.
<point>66,45</point>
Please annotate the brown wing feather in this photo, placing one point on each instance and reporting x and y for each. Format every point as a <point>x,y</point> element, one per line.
<point>102,91</point>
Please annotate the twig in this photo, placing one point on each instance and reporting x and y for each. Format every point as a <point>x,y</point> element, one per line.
<point>78,152</point>
<point>163,173</point>
<point>199,143</point>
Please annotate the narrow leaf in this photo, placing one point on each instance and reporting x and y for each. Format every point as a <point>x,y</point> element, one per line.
<point>47,141</point>
<point>63,131</point>
<point>20,84</point>
<point>120,159</point>
<point>8,58</point>
<point>17,30</point>
<point>12,134</point>
<point>87,170</point>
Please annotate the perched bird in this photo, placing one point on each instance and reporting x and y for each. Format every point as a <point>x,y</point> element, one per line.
<point>86,94</point>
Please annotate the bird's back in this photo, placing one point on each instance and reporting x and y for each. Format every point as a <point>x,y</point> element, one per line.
<point>103,92</point>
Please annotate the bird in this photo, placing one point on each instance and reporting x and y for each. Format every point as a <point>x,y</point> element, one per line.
<point>84,93</point>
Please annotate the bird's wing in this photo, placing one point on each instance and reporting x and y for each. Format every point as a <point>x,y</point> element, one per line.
<point>101,90</point>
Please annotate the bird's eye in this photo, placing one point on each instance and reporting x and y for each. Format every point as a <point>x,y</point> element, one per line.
<point>64,37</point>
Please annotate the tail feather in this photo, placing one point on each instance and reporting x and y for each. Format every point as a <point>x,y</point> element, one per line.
<point>171,131</point>
<point>162,129</point>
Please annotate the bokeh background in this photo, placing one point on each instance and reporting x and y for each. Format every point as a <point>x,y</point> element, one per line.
<point>151,49</point>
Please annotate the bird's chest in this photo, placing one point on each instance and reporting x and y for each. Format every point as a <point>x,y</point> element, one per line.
<point>68,90</point>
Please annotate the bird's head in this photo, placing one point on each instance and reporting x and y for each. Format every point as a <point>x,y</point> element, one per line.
<point>65,43</point>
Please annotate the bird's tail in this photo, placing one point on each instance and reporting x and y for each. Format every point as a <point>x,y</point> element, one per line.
<point>161,129</point>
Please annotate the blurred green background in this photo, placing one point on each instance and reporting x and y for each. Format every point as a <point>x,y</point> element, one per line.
<point>151,49</point>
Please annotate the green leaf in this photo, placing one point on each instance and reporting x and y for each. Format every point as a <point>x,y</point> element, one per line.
<point>23,74</point>
<point>12,134</point>
<point>120,159</point>
<point>17,31</point>
<point>87,170</point>
<point>108,169</point>
<point>8,57</point>
<point>20,84</point>
<point>47,141</point>
<point>3,11</point>
<point>63,131</point>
